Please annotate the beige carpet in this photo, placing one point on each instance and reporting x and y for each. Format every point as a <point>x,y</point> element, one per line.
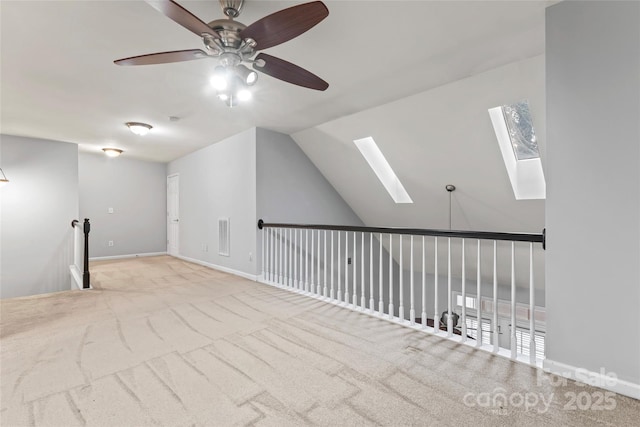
<point>165,342</point>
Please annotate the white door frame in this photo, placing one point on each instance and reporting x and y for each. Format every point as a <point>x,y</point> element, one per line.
<point>173,216</point>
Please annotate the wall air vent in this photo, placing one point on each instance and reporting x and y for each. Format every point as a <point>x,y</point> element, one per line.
<point>224,236</point>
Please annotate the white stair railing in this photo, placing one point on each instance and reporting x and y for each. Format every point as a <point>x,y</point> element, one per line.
<point>330,262</point>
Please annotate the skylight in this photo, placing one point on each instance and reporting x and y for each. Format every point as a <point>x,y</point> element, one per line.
<point>521,132</point>
<point>382,169</point>
<point>518,143</point>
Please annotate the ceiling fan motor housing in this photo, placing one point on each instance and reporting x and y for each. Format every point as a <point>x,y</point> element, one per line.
<point>231,8</point>
<point>230,39</point>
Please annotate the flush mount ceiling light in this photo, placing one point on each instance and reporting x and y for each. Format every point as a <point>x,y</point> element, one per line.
<point>139,128</point>
<point>3,179</point>
<point>112,152</point>
<point>235,44</point>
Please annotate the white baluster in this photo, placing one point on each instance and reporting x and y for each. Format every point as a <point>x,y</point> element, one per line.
<point>339,272</point>
<point>290,281</point>
<point>479,300</point>
<point>306,261</point>
<point>436,315</point>
<point>401,290</point>
<point>363,304</point>
<point>318,273</point>
<point>496,336</point>
<point>332,295</point>
<point>264,236</point>
<point>312,285</point>
<point>266,254</point>
<point>355,270</point>
<point>390,276</point>
<point>532,310</point>
<point>296,279</point>
<point>424,285</point>
<point>299,260</point>
<point>449,317</point>
<point>372,303</point>
<point>412,310</point>
<point>285,280</point>
<point>280,272</point>
<point>464,296</point>
<point>346,268</point>
<point>380,284</point>
<point>513,301</point>
<point>325,294</point>
<point>273,255</point>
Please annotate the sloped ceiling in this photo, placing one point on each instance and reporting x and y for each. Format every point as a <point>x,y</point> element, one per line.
<point>58,80</point>
<point>431,139</point>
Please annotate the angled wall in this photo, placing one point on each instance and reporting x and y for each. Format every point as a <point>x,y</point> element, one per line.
<point>36,210</point>
<point>593,197</point>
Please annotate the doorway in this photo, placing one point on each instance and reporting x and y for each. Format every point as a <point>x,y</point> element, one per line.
<point>173,214</point>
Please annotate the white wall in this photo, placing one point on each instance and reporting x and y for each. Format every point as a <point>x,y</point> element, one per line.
<point>36,210</point>
<point>215,182</point>
<point>593,193</point>
<point>137,192</point>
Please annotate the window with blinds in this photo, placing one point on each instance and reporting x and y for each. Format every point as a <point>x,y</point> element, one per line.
<point>522,342</point>
<point>472,329</point>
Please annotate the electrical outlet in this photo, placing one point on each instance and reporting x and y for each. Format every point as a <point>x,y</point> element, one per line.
<point>205,247</point>
<point>110,243</point>
<point>250,256</point>
<point>110,210</point>
<point>349,260</point>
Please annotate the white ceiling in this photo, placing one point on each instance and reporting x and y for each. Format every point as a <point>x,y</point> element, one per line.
<point>58,80</point>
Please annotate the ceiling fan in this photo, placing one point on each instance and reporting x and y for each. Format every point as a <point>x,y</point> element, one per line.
<point>234,43</point>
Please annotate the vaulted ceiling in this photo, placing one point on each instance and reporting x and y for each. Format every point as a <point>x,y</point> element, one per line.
<point>59,82</point>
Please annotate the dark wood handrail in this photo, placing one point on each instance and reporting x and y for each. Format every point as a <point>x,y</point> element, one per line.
<point>482,235</point>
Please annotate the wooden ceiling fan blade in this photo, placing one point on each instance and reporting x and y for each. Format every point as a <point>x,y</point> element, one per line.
<point>183,17</point>
<point>285,25</point>
<point>288,72</point>
<point>163,57</point>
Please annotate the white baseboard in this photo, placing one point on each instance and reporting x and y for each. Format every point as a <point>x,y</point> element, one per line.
<point>598,379</point>
<point>219,267</point>
<point>103,258</point>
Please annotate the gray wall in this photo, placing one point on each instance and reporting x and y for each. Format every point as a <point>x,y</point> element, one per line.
<point>291,188</point>
<point>36,209</point>
<point>215,182</point>
<point>137,192</point>
<point>593,195</point>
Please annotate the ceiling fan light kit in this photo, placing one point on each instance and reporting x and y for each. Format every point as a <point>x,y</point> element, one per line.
<point>234,44</point>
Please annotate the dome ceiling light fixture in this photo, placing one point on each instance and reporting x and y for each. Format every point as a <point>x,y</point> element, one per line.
<point>112,152</point>
<point>234,43</point>
<point>139,128</point>
<point>3,178</point>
